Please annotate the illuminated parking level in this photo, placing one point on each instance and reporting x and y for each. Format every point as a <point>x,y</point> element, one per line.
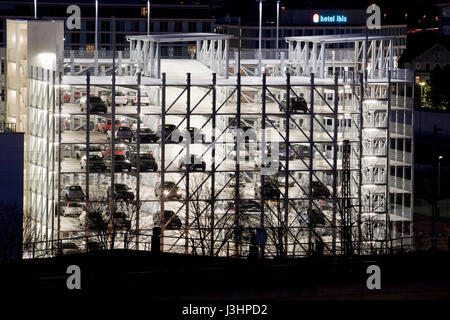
<point>307,154</point>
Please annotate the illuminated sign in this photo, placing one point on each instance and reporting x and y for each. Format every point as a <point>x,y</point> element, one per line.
<point>330,18</point>
<point>316,18</point>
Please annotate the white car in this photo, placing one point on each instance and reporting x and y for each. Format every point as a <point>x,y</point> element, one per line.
<point>122,133</point>
<point>73,209</point>
<point>130,96</point>
<point>121,99</point>
<point>145,99</point>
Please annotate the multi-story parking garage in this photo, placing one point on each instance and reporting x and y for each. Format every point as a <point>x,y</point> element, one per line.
<point>308,153</point>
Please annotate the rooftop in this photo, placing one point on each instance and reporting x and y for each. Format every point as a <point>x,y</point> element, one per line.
<point>180,37</point>
<point>339,38</point>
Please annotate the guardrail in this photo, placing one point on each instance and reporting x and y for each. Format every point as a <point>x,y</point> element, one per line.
<point>247,249</point>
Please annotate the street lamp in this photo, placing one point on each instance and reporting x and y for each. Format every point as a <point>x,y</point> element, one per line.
<point>35,9</point>
<point>96,36</point>
<point>148,17</point>
<point>260,36</point>
<point>278,26</point>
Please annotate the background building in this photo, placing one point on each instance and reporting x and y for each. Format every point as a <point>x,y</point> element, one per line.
<point>295,22</point>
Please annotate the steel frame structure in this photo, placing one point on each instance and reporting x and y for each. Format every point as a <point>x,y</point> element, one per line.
<point>374,115</point>
<point>212,49</point>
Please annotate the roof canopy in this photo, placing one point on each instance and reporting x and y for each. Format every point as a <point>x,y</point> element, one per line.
<point>339,38</point>
<point>180,37</point>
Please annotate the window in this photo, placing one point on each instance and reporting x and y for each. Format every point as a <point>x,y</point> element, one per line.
<point>75,38</point>
<point>105,38</point>
<point>120,38</point>
<point>104,26</point>
<point>178,27</point>
<point>206,27</point>
<point>119,26</point>
<point>163,26</point>
<point>90,26</point>
<point>192,27</point>
<point>90,38</point>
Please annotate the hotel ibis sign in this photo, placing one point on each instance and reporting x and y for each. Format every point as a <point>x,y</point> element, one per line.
<point>329,18</point>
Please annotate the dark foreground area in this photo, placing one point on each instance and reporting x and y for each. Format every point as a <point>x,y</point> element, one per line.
<point>418,275</point>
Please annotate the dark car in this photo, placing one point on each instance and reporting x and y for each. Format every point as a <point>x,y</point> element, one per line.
<point>95,221</point>
<point>146,135</point>
<point>269,190</point>
<point>313,218</point>
<point>319,190</point>
<point>120,220</point>
<point>246,206</point>
<point>295,104</point>
<point>285,152</point>
<point>169,129</point>
<point>147,161</point>
<point>96,105</point>
<point>93,245</point>
<point>120,162</point>
<point>174,220</point>
<point>122,192</point>
<point>301,152</point>
<point>170,190</point>
<point>192,163</point>
<point>96,163</point>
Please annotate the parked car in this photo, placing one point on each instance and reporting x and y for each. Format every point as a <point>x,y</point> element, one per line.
<point>120,162</point>
<point>103,125</point>
<point>73,209</point>
<point>72,192</point>
<point>269,190</point>
<point>147,161</point>
<point>95,219</point>
<point>93,151</point>
<point>169,130</point>
<point>312,217</point>
<point>191,163</point>
<point>119,149</point>
<point>93,245</point>
<point>285,152</point>
<point>130,96</point>
<point>120,220</point>
<point>169,191</point>
<point>67,248</point>
<point>96,163</point>
<point>120,99</point>
<point>122,192</point>
<point>301,151</point>
<point>295,104</point>
<point>169,216</point>
<point>245,206</point>
<point>96,105</point>
<point>146,135</point>
<point>145,99</point>
<point>319,190</point>
<point>121,133</point>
